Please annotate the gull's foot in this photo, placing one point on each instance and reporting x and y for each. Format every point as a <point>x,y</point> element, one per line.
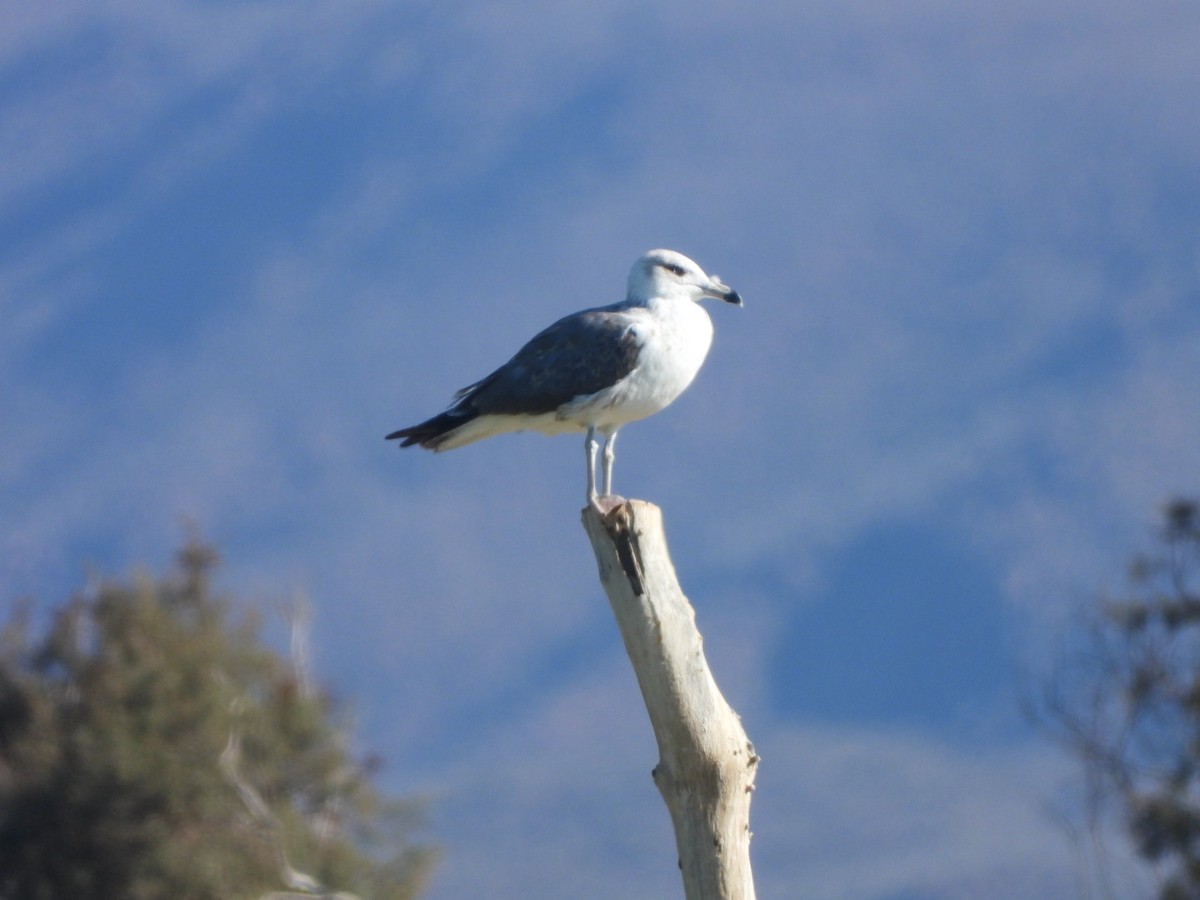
<point>605,503</point>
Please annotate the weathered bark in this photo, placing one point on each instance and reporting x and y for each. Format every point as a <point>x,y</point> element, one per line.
<point>706,763</point>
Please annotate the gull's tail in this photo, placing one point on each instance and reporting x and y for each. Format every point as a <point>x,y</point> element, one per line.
<point>436,432</point>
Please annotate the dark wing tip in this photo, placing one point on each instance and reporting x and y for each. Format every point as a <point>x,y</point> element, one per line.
<point>432,432</point>
<point>414,435</point>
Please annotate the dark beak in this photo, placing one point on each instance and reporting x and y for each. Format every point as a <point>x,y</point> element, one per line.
<point>719,291</point>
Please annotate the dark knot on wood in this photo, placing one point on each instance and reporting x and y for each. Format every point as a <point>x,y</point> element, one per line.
<point>618,522</point>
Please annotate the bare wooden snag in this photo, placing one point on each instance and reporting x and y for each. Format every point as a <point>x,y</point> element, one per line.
<point>706,763</point>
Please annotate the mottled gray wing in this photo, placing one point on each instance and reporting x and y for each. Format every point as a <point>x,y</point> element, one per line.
<point>577,355</point>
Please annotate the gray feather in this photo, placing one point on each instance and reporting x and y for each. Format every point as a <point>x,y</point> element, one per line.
<point>576,356</point>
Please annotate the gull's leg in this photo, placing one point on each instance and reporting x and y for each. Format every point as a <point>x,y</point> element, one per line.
<point>609,455</point>
<point>590,446</point>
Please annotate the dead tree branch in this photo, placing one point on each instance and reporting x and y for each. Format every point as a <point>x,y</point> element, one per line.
<point>706,763</point>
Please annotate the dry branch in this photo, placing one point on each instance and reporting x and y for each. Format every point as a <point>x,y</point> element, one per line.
<point>706,763</point>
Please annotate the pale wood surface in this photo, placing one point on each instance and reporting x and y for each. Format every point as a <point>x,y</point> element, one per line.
<point>706,763</point>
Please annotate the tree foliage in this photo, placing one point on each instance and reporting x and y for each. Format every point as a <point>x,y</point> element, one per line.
<point>151,746</point>
<point>1125,700</point>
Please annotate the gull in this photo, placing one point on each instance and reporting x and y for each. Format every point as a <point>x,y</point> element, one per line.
<point>594,370</point>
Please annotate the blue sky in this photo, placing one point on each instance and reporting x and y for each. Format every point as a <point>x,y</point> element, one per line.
<point>240,242</point>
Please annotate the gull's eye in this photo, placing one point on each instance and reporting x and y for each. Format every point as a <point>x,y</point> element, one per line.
<point>674,269</point>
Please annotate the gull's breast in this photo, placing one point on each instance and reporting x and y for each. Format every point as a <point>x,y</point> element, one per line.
<point>674,342</point>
